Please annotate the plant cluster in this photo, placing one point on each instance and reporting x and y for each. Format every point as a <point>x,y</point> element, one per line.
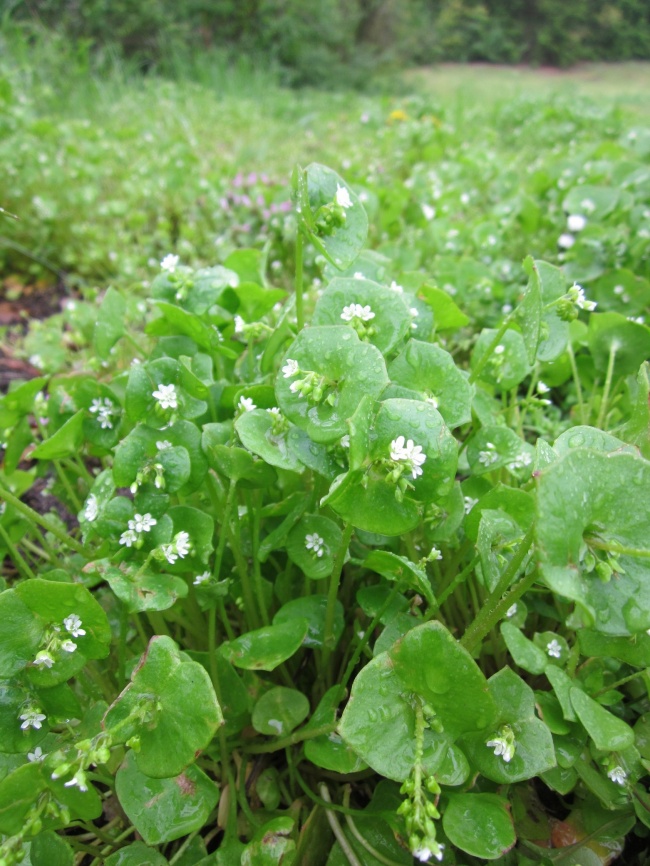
<point>343,570</point>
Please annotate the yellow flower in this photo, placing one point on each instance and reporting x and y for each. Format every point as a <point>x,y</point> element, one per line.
<point>397,114</point>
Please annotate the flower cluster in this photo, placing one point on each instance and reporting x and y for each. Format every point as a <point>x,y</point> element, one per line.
<point>315,543</point>
<point>105,410</point>
<point>312,385</point>
<point>503,744</point>
<point>140,524</point>
<point>489,455</point>
<point>57,639</point>
<point>572,302</point>
<point>356,311</point>
<point>166,396</point>
<point>180,547</point>
<point>409,454</point>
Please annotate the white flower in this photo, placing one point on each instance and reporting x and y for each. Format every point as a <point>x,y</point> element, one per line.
<point>240,324</point>
<point>428,211</point>
<point>512,610</point>
<point>435,554</point>
<point>166,396</point>
<point>359,276</point>
<point>201,578</point>
<point>96,406</point>
<point>432,401</point>
<point>246,404</point>
<point>43,659</point>
<point>275,412</point>
<point>343,197</point>
<point>92,509</point>
<point>415,313</point>
<point>520,461</point>
<point>503,746</point>
<point>168,553</point>
<point>489,455</point>
<point>499,350</point>
<point>32,719</point>
<point>345,441</point>
<point>554,649</point>
<point>163,444</point>
<point>129,538</point>
<point>542,388</point>
<point>36,756</point>
<point>566,241</point>
<point>169,263</point>
<point>396,288</point>
<point>577,295</point>
<point>290,369</point>
<point>69,646</point>
<point>315,543</point>
<point>72,624</point>
<point>182,544</point>
<point>409,453</point>
<point>78,780</point>
<point>617,775</point>
<point>576,222</point>
<point>587,205</point>
<point>295,386</point>
<point>423,854</point>
<point>356,311</point>
<point>468,503</point>
<point>142,522</point>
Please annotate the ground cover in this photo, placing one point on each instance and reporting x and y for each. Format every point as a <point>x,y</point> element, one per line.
<point>325,506</point>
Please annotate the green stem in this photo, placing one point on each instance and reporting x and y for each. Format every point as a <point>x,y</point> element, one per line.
<point>14,553</point>
<point>608,384</point>
<point>63,478</point>
<point>361,839</point>
<point>291,740</point>
<point>254,520</point>
<point>456,582</point>
<point>495,607</point>
<point>300,307</point>
<point>336,828</point>
<point>478,369</point>
<point>41,521</point>
<point>576,382</point>
<point>620,682</point>
<point>329,638</point>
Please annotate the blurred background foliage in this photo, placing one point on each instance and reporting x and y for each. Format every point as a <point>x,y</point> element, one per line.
<point>334,42</point>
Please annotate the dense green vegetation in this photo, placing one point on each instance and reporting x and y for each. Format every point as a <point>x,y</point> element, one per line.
<point>324,522</point>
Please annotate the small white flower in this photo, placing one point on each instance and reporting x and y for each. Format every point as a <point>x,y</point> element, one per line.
<point>356,311</point>
<point>275,412</point>
<point>246,404</point>
<point>428,211</point>
<point>240,324</point>
<point>295,386</point>
<point>500,349</point>
<point>396,288</point>
<point>166,396</point>
<point>566,241</point>
<point>432,401</point>
<point>78,780</point>
<point>163,444</point>
<point>142,522</point>
<point>32,719</point>
<point>68,646</point>
<point>43,659</point>
<point>521,461</point>
<point>576,222</point>
<point>72,624</point>
<point>201,578</point>
<point>489,455</point>
<point>577,295</point>
<point>128,538</point>
<point>554,649</point>
<point>315,543</point>
<point>91,509</point>
<point>468,503</point>
<point>512,610</point>
<point>36,756</point>
<point>503,747</point>
<point>358,275</point>
<point>343,197</point>
<point>96,406</point>
<point>182,544</point>
<point>587,205</point>
<point>423,854</point>
<point>435,554</point>
<point>542,388</point>
<point>345,441</point>
<point>290,369</point>
<point>617,775</point>
<point>409,453</point>
<point>169,263</point>
<point>168,553</point>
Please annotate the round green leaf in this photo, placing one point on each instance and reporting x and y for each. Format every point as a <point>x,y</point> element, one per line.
<point>589,437</point>
<point>136,854</point>
<point>608,732</point>
<point>255,429</point>
<point>391,321</point>
<point>351,369</point>
<point>162,810</point>
<point>312,609</point>
<point>266,648</point>
<point>603,198</point>
<point>279,711</point>
<point>49,849</point>
<point>479,824</point>
<point>237,463</point>
<point>181,707</point>
<point>316,562</point>
<point>372,505</point>
<point>20,634</point>
<point>399,568</point>
<point>429,369</point>
<point>506,369</point>
<point>497,447</point>
<point>149,592</point>
<point>524,652</point>
<point>612,332</point>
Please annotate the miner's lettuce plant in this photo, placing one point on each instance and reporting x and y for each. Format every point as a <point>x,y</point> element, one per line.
<point>331,571</point>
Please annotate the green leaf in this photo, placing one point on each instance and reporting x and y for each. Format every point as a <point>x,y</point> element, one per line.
<point>605,497</point>
<point>447,315</point>
<point>604,199</point>
<point>329,751</point>
<point>479,824</point>
<point>162,810</point>
<point>255,429</point>
<point>279,711</point>
<point>149,592</point>
<point>109,326</point>
<point>49,849</point>
<point>589,437</point>
<point>629,341</point>
<point>315,565</point>
<point>391,321</point>
<point>312,609</point>
<point>18,791</point>
<point>529,311</point>
<point>235,463</point>
<point>637,429</point>
<point>503,370</point>
<point>372,506</point>
<point>271,845</point>
<point>206,336</point>
<point>632,650</point>
<point>497,447</point>
<point>136,854</point>
<point>351,370</point>
<point>431,662</point>
<point>399,568</point>
<point>524,652</point>
<point>179,704</point>
<point>20,635</point>
<point>608,732</point>
<point>431,370</point>
<point>64,442</point>
<point>266,648</point>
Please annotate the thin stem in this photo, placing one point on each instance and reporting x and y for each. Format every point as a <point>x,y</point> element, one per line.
<point>41,521</point>
<point>608,384</point>
<point>336,828</point>
<point>361,839</point>
<point>478,369</point>
<point>63,478</point>
<point>329,638</point>
<point>14,553</point>
<point>494,608</point>
<point>254,520</point>
<point>456,582</point>
<point>576,382</point>
<point>291,740</point>
<point>300,304</point>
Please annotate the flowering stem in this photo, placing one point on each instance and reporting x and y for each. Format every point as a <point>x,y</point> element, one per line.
<point>41,521</point>
<point>329,639</point>
<point>336,828</point>
<point>608,384</point>
<point>300,309</point>
<point>576,382</point>
<point>496,604</point>
<point>14,553</point>
<point>456,582</point>
<point>478,369</point>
